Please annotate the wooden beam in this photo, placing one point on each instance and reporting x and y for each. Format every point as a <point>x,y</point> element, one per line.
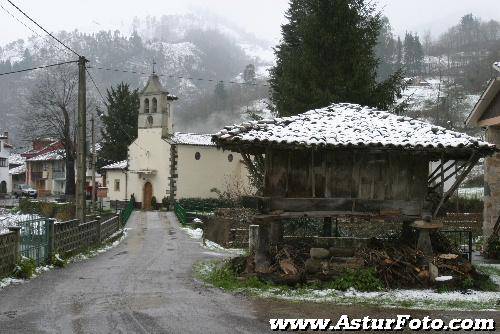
<point>471,163</point>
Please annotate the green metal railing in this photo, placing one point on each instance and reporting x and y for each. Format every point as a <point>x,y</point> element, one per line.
<point>127,211</point>
<point>181,213</point>
<point>35,240</point>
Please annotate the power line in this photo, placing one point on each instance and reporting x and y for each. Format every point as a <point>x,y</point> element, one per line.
<point>39,67</point>
<point>39,26</point>
<point>117,122</point>
<point>178,77</point>
<point>28,27</point>
<point>15,18</point>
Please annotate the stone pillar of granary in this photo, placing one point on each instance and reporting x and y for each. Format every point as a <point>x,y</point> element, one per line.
<point>491,184</point>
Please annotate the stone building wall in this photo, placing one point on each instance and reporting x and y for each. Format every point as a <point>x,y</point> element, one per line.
<point>492,183</point>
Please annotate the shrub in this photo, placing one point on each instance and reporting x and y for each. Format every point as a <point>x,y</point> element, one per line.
<point>58,261</point>
<point>25,268</point>
<point>205,204</point>
<point>361,280</point>
<point>468,205</point>
<point>165,202</point>
<point>154,203</point>
<point>47,209</point>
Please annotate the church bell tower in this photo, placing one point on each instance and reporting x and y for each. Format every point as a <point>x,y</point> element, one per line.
<point>156,107</point>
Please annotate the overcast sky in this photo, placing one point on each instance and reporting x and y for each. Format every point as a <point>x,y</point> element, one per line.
<point>261,17</point>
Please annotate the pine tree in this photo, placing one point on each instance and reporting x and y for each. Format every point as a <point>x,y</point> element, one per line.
<point>119,124</point>
<point>249,74</point>
<point>327,55</point>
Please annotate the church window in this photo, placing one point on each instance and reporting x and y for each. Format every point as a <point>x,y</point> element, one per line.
<point>3,162</point>
<point>197,156</point>
<point>117,185</point>
<point>155,105</point>
<point>230,158</point>
<point>146,105</point>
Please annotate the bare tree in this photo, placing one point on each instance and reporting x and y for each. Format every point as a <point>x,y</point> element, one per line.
<point>51,112</point>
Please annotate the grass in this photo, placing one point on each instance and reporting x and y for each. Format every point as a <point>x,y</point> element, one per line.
<point>220,274</point>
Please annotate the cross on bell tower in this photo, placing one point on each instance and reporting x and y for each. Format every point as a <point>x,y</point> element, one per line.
<point>154,63</point>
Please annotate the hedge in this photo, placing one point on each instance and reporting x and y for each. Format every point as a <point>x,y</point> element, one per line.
<point>59,211</point>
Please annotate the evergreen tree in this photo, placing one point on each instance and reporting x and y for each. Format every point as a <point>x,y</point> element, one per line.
<point>220,95</point>
<point>249,74</point>
<point>119,124</point>
<point>327,55</point>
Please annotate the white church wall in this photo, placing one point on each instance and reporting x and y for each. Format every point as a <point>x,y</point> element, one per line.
<point>149,152</point>
<point>213,170</point>
<point>117,193</point>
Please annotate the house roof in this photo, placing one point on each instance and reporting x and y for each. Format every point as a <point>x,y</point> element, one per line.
<point>154,86</point>
<point>16,159</point>
<point>49,156</point>
<point>18,170</point>
<point>120,165</point>
<point>196,139</point>
<point>350,126</point>
<point>484,102</point>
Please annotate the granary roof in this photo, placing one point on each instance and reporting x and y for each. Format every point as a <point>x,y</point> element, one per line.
<point>196,139</point>
<point>350,126</point>
<point>117,165</point>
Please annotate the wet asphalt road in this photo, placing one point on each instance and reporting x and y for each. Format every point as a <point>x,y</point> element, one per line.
<point>146,285</point>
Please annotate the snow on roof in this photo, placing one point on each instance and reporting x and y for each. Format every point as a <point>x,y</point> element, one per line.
<point>117,165</point>
<point>49,156</point>
<point>18,170</point>
<point>180,138</point>
<point>16,159</point>
<point>496,66</point>
<point>347,125</point>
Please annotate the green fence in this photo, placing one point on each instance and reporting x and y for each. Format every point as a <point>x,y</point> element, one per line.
<point>181,213</point>
<point>35,240</point>
<point>127,211</point>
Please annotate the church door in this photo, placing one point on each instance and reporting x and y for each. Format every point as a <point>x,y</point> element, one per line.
<point>148,195</point>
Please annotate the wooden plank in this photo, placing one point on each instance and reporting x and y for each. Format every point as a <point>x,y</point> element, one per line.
<point>412,208</point>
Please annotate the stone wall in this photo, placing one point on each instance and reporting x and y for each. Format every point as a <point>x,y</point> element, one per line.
<point>492,183</point>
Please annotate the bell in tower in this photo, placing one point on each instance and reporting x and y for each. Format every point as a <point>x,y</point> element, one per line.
<point>156,108</point>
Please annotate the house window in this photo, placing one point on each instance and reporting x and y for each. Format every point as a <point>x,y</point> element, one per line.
<point>155,104</point>
<point>230,158</point>
<point>117,185</point>
<point>146,105</point>
<point>3,162</point>
<point>197,156</point>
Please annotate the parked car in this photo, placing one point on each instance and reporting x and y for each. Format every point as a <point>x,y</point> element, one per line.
<point>24,190</point>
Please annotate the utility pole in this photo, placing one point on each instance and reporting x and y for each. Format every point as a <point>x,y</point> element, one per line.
<point>81,160</point>
<point>93,163</point>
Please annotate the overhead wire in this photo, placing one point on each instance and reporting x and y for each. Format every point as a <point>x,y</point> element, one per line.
<point>179,77</point>
<point>45,30</point>
<point>117,122</point>
<point>39,67</point>
<point>28,27</point>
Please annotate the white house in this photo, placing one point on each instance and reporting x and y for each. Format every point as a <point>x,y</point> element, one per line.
<point>5,179</point>
<point>164,163</point>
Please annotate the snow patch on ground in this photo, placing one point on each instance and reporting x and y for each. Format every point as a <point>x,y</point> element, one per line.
<point>193,233</point>
<point>414,299</point>
<point>197,234</point>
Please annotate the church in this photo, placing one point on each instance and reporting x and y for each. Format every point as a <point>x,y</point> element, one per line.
<point>174,165</point>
